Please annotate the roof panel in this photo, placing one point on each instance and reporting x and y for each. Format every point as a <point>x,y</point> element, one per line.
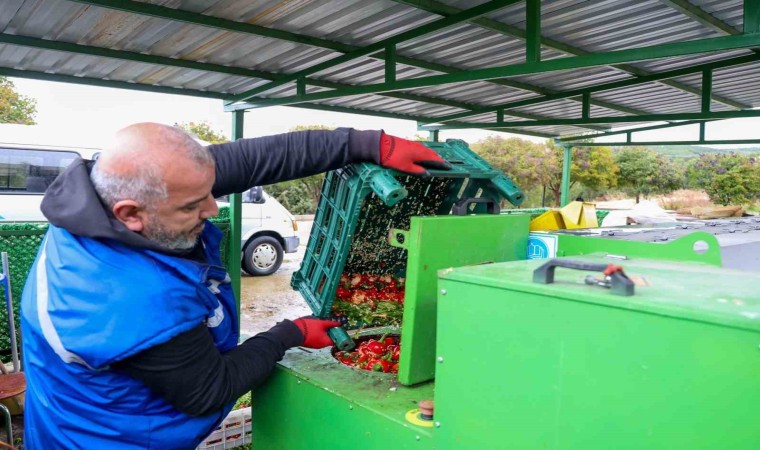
<point>572,27</point>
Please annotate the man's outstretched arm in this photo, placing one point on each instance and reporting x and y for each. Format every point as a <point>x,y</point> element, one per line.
<point>245,163</point>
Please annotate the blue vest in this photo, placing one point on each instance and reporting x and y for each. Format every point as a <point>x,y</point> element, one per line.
<point>88,303</point>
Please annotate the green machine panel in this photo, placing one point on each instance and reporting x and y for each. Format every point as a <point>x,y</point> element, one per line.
<point>571,366</point>
<point>440,242</point>
<point>312,402</point>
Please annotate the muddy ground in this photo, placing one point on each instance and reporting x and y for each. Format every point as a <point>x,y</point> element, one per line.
<point>265,301</point>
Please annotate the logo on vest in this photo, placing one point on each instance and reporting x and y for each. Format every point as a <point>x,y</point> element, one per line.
<point>218,317</point>
<point>213,284</point>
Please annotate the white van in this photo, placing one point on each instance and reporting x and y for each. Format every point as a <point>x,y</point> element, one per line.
<point>267,231</point>
<point>28,166</point>
<point>26,171</point>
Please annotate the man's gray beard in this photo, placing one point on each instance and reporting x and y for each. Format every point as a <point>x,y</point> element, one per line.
<point>169,240</point>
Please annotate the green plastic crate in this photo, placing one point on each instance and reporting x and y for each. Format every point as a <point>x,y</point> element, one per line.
<point>362,202</point>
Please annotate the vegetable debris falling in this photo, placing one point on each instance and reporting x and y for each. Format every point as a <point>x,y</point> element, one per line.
<point>370,251</point>
<point>377,268</point>
<point>365,299</point>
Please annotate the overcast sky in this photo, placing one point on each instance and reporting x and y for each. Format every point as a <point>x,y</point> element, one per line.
<point>86,115</point>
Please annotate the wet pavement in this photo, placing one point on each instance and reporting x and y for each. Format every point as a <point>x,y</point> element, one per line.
<point>267,300</point>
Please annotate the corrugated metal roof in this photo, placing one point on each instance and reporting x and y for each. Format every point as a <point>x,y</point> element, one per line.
<point>569,27</point>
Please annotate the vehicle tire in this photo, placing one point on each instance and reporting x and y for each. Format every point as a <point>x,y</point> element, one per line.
<point>262,256</point>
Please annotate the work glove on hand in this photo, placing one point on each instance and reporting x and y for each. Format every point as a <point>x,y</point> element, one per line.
<point>409,156</point>
<point>315,331</point>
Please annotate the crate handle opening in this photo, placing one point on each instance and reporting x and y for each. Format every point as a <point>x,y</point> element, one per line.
<point>398,238</point>
<point>462,207</point>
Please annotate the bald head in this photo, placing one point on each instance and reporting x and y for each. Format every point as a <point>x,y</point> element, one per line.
<point>142,145</point>
<point>139,159</point>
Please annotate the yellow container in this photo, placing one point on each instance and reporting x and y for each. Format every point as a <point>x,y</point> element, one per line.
<point>548,221</point>
<point>579,215</point>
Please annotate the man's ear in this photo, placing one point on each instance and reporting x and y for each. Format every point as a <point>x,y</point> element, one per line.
<point>131,214</point>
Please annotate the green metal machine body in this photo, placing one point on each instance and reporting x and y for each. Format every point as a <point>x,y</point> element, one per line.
<point>314,402</point>
<point>568,365</point>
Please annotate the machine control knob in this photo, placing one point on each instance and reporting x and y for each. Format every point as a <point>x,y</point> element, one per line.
<point>426,409</point>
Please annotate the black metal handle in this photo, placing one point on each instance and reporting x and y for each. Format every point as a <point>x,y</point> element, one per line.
<point>619,283</point>
<point>461,208</point>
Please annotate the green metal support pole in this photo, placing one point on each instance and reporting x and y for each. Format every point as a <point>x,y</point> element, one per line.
<point>390,63</point>
<point>301,86</point>
<point>533,31</point>
<point>751,16</point>
<point>707,77</point>
<point>433,135</point>
<point>567,163</point>
<point>586,106</point>
<point>233,256</point>
<point>702,131</point>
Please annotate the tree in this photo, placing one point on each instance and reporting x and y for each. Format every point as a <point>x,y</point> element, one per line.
<point>594,167</point>
<point>14,107</point>
<point>644,172</point>
<point>532,166</point>
<point>729,179</point>
<point>300,196</point>
<point>203,131</point>
<point>528,164</point>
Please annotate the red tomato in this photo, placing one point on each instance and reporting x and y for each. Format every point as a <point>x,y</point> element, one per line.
<point>375,348</point>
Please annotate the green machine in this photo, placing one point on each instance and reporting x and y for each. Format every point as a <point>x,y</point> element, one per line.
<point>527,365</point>
<point>510,361</point>
<point>570,365</point>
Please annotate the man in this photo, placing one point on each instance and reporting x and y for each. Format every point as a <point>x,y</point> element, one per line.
<point>128,318</point>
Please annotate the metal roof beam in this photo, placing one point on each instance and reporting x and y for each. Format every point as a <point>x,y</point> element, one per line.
<point>347,110</point>
<point>172,14</point>
<point>179,15</point>
<point>601,120</point>
<point>43,76</point>
<point>635,130</point>
<point>751,16</point>
<point>34,75</point>
<point>493,25</point>
<point>68,47</point>
<point>218,68</point>
<point>701,16</point>
<point>573,62</point>
<point>655,143</point>
<point>454,19</point>
<point>124,55</point>
<point>608,86</point>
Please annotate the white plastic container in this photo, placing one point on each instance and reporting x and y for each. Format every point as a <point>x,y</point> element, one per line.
<point>234,431</point>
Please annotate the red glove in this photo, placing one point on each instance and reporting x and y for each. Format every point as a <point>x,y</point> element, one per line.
<point>315,331</point>
<point>409,156</point>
